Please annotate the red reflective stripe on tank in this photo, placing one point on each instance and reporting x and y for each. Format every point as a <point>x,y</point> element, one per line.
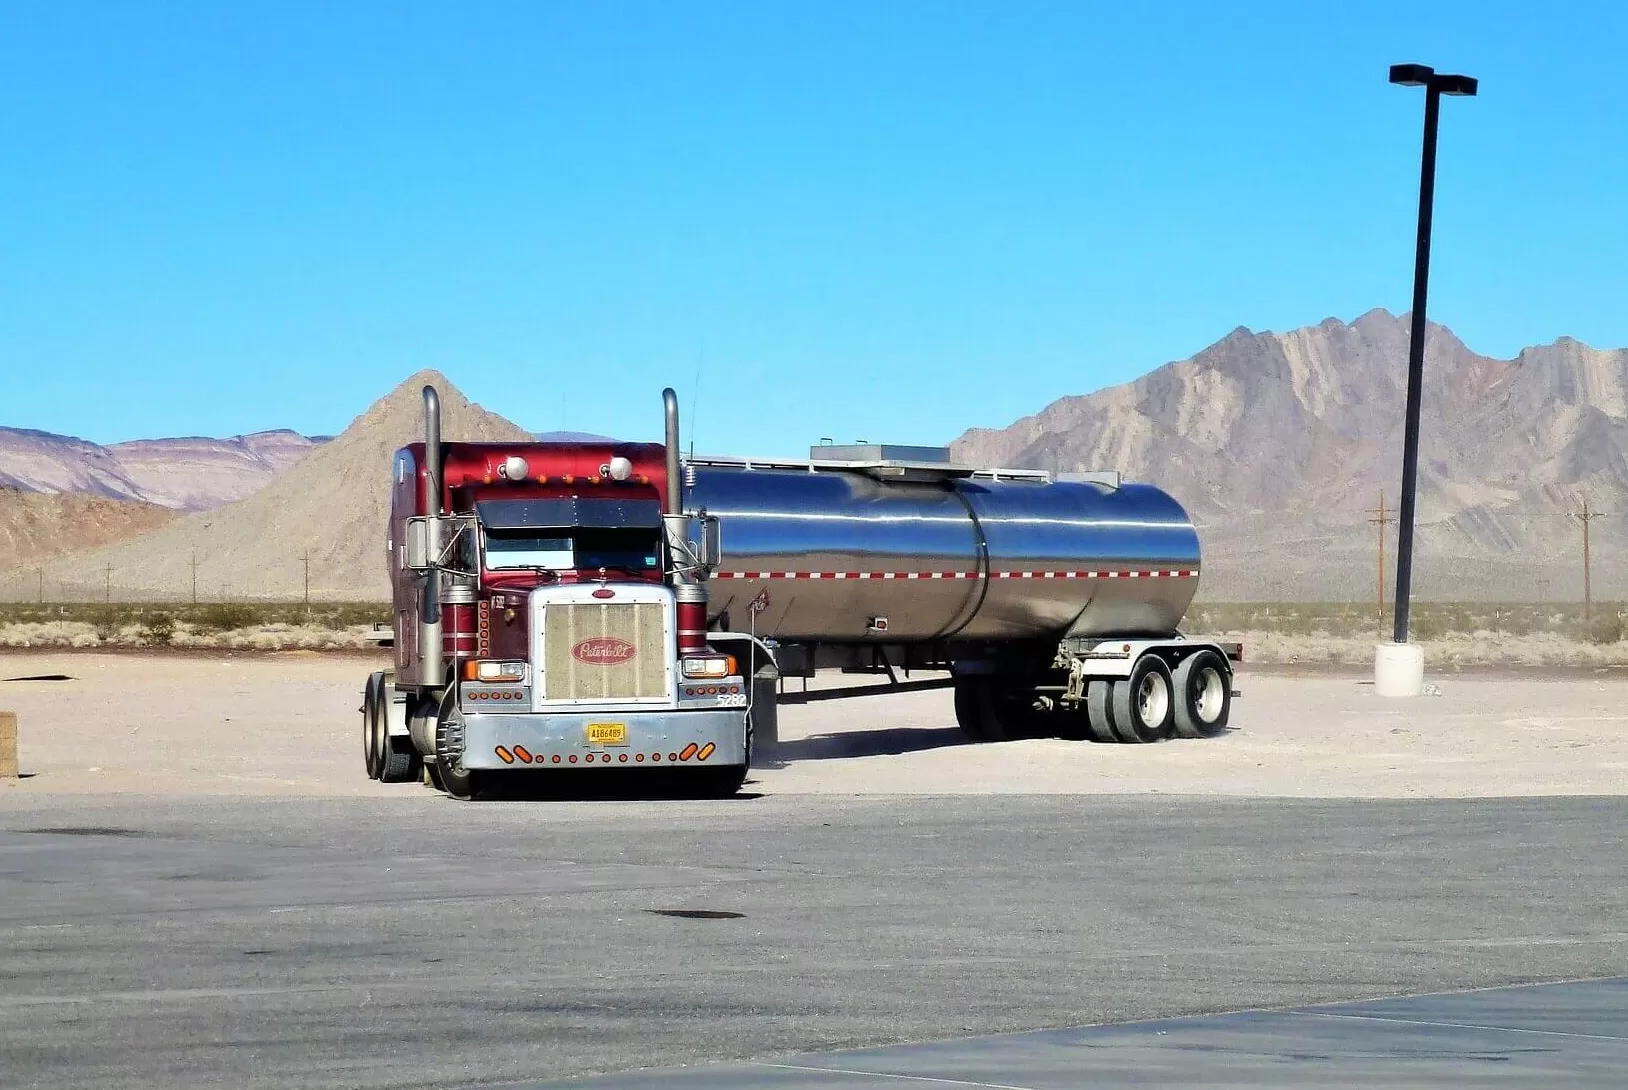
<point>1156,574</point>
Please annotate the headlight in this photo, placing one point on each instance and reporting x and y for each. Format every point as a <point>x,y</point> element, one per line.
<point>709,666</point>
<point>496,671</point>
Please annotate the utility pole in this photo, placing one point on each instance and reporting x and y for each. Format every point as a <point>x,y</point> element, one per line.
<point>41,571</point>
<point>306,559</point>
<point>1586,516</point>
<point>107,587</point>
<point>1381,520</point>
<point>1543,587</point>
<point>194,576</point>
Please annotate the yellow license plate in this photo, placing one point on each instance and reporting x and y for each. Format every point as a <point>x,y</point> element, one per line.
<point>607,734</point>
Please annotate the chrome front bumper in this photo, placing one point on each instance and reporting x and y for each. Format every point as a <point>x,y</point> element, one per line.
<point>655,739</point>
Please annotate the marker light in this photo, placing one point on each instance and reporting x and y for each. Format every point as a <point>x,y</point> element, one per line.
<point>619,468</point>
<point>514,468</point>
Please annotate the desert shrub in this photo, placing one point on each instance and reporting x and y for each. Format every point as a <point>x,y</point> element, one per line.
<point>1428,625</point>
<point>224,617</point>
<point>1603,628</point>
<point>107,621</point>
<point>157,629</point>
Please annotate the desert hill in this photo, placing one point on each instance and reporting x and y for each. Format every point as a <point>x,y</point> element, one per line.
<point>188,474</point>
<point>1279,444</point>
<point>332,504</point>
<point>36,526</point>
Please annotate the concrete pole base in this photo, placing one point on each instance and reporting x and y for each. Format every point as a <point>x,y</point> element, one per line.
<point>1398,669</point>
<point>8,746</point>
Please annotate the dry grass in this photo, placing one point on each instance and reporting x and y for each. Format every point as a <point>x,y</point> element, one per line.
<point>273,627</point>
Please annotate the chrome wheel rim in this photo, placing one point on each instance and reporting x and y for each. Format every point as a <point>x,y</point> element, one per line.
<point>1210,696</point>
<point>1152,700</point>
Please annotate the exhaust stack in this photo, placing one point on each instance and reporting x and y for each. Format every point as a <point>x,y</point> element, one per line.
<point>429,626</point>
<point>688,588</point>
<point>675,484</point>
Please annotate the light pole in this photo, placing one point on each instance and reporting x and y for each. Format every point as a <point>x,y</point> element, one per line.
<point>1399,667</point>
<point>1435,85</point>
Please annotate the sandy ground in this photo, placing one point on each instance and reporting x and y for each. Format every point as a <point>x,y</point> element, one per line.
<point>287,724</point>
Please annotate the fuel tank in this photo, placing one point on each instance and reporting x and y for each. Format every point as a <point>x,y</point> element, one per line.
<point>814,553</point>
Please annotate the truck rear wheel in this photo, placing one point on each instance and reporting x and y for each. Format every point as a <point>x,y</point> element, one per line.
<point>1203,687</point>
<point>372,727</point>
<point>1143,702</point>
<point>969,709</point>
<point>399,761</point>
<point>989,711</point>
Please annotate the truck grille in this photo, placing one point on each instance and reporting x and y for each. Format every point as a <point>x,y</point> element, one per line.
<point>604,652</point>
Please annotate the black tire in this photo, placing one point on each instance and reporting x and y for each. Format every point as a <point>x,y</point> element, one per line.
<point>400,762</point>
<point>456,780</point>
<point>969,709</point>
<point>1099,711</point>
<point>1143,702</point>
<point>372,747</point>
<point>1203,695</point>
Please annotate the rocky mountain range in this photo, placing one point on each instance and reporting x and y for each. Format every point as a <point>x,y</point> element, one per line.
<point>188,474</point>
<point>331,506</point>
<point>1279,445</point>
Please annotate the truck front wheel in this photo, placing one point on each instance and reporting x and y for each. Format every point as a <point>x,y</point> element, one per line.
<point>456,780</point>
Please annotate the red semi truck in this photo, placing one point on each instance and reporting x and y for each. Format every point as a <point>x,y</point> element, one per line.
<point>550,612</point>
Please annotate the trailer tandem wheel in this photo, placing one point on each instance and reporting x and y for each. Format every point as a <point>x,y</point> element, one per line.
<point>1099,710</point>
<point>1203,695</point>
<point>1143,701</point>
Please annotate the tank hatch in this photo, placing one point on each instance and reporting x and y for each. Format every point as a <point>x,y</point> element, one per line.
<point>881,452</point>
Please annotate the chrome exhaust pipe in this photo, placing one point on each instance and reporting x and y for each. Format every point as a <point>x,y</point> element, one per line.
<point>431,656</point>
<point>432,449</point>
<point>675,484</point>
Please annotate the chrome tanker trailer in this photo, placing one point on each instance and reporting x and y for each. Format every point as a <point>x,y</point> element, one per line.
<point>1054,600</point>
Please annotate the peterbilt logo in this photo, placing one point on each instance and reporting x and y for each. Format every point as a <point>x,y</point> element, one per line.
<point>603,651</point>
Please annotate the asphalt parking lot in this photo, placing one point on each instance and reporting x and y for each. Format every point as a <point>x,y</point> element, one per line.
<point>408,941</point>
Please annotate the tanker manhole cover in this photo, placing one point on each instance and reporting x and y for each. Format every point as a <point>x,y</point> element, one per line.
<point>696,913</point>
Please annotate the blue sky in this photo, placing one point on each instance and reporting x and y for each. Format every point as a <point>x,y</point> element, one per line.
<point>889,221</point>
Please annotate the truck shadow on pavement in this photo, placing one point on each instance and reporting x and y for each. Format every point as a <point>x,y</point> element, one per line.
<point>881,742</point>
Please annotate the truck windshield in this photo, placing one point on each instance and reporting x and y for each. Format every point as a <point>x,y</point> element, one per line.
<point>568,550</point>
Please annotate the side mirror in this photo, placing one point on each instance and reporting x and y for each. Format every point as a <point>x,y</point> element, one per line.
<point>711,541</point>
<point>418,544</point>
